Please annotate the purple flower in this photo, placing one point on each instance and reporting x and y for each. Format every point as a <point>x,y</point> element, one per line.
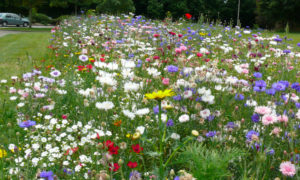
<point>250,134</point>
<point>130,55</point>
<point>287,51</point>
<point>260,86</point>
<point>278,86</point>
<point>230,125</point>
<point>177,98</point>
<point>170,123</point>
<point>239,97</point>
<point>257,75</point>
<point>211,117</point>
<point>296,86</point>
<point>26,124</point>
<point>139,64</point>
<point>297,105</point>
<point>47,175</point>
<point>135,175</point>
<point>255,118</point>
<point>271,91</point>
<point>270,152</point>
<point>298,44</point>
<point>172,68</point>
<point>177,178</point>
<point>156,109</point>
<point>211,134</point>
<point>278,39</point>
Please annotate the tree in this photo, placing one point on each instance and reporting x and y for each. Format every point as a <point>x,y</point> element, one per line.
<point>115,6</point>
<point>155,9</point>
<point>66,3</point>
<point>277,13</point>
<point>29,5</point>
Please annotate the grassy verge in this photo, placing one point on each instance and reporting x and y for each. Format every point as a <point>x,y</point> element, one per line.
<point>26,29</point>
<point>20,52</point>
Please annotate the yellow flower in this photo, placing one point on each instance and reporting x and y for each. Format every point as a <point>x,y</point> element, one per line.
<point>195,133</point>
<point>128,135</point>
<point>202,34</point>
<point>3,153</point>
<point>77,53</point>
<point>136,135</point>
<point>160,94</point>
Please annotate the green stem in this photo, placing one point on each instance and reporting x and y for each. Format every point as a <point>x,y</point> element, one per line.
<point>179,147</point>
<point>161,167</point>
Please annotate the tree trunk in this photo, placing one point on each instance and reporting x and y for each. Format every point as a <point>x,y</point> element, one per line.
<point>30,17</point>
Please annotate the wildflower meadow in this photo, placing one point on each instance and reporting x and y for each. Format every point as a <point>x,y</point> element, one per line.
<point>125,97</point>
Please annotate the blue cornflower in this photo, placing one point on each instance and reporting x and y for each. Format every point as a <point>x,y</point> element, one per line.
<point>230,125</point>
<point>250,134</point>
<point>278,39</point>
<point>239,97</point>
<point>26,124</point>
<point>170,123</point>
<point>270,152</point>
<point>271,91</point>
<point>135,175</point>
<point>139,64</point>
<point>47,175</point>
<point>297,105</point>
<point>287,51</point>
<point>130,55</point>
<point>211,117</point>
<point>172,68</point>
<point>298,44</point>
<point>255,118</point>
<point>257,75</point>
<point>156,109</point>
<point>260,86</point>
<point>211,133</point>
<point>177,98</point>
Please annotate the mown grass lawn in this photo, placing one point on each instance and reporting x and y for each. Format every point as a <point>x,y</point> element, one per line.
<point>25,29</point>
<point>20,52</point>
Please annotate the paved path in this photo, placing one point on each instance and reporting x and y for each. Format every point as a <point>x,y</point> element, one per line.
<point>3,33</point>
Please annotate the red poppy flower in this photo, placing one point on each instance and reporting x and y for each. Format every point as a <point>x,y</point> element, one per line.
<point>108,143</point>
<point>132,164</point>
<point>115,167</point>
<point>172,33</point>
<point>156,35</point>
<point>102,59</point>
<point>89,66</point>
<point>71,149</point>
<point>137,148</point>
<point>199,54</point>
<point>113,150</point>
<point>188,16</point>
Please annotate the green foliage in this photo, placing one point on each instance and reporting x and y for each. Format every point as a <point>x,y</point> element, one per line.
<point>277,13</point>
<point>208,163</point>
<point>40,18</point>
<point>154,9</point>
<point>115,6</point>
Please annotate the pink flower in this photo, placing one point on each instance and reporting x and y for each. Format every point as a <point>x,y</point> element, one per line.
<point>177,50</point>
<point>183,48</point>
<point>245,71</point>
<point>287,168</point>
<point>262,110</point>
<point>166,81</point>
<point>276,131</point>
<point>199,54</point>
<point>268,119</point>
<point>283,118</point>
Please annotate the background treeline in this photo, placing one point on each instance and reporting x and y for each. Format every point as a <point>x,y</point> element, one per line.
<point>270,14</point>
